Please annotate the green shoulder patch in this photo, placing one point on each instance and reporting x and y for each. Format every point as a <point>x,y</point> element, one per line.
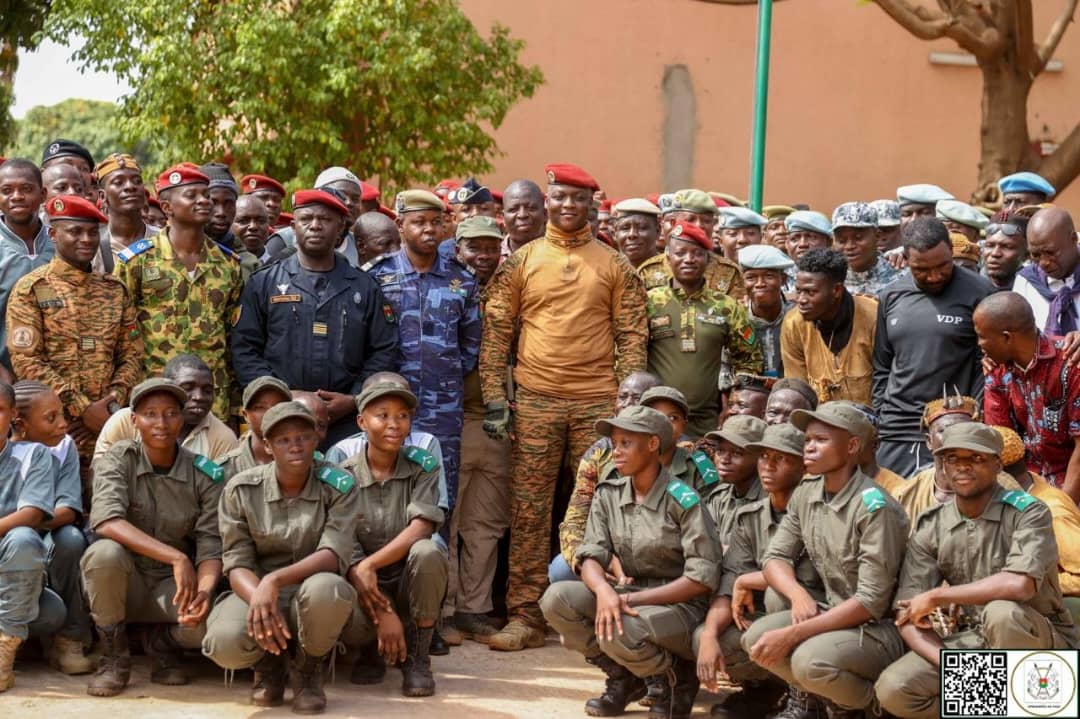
<point>425,459</point>
<point>210,469</point>
<point>1018,499</point>
<point>874,499</point>
<point>319,456</point>
<point>684,495</point>
<point>705,467</point>
<point>339,479</point>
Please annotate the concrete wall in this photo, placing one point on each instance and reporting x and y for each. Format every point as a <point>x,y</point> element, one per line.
<point>855,107</point>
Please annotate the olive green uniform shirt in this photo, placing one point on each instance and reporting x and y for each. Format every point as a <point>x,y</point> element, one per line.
<point>178,506</point>
<point>669,535</point>
<point>855,540</point>
<point>239,459</point>
<point>1013,534</point>
<point>386,508</point>
<point>754,527</point>
<point>262,530</point>
<point>723,503</point>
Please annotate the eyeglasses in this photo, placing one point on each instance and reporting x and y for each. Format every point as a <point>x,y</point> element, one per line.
<point>1006,228</point>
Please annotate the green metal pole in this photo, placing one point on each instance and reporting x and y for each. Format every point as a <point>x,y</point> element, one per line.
<point>761,104</point>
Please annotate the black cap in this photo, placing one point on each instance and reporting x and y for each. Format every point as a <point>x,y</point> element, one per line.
<point>66,148</point>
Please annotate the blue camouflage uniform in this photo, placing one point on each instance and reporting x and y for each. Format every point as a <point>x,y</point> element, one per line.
<point>439,316</point>
<point>314,330</point>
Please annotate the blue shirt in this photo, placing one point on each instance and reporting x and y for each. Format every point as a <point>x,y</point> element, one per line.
<point>26,478</point>
<point>68,486</point>
<point>16,261</point>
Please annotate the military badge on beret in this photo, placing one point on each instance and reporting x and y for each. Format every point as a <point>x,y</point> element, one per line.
<point>58,205</point>
<point>174,178</point>
<point>54,148</point>
<point>461,194</point>
<point>676,231</point>
<point>253,183</point>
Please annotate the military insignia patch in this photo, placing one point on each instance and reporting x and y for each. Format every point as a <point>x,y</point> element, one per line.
<point>152,273</point>
<point>388,313</point>
<point>174,178</point>
<point>210,469</point>
<point>874,499</point>
<point>705,467</point>
<point>319,329</point>
<point>684,495</point>
<point>661,321</point>
<point>23,337</point>
<point>236,314</point>
<point>748,335</point>
<point>54,148</point>
<point>133,330</point>
<point>58,205</point>
<point>676,231</point>
<point>426,460</point>
<point>339,479</point>
<point>253,183</point>
<point>1018,499</point>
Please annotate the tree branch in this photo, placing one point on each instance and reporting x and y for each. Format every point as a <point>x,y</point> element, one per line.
<point>970,32</point>
<point>917,20</point>
<point>1063,166</point>
<point>1053,39</point>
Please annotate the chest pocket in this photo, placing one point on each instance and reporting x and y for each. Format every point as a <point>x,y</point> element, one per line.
<point>443,317</point>
<point>167,513</point>
<point>287,528</point>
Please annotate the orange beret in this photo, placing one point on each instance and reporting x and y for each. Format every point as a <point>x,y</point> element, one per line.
<point>691,233</point>
<point>180,175</point>
<point>256,183</point>
<point>72,207</point>
<point>302,198</point>
<point>562,173</point>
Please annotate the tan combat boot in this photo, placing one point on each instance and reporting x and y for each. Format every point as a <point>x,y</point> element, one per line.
<point>515,636</point>
<point>67,656</point>
<point>8,645</point>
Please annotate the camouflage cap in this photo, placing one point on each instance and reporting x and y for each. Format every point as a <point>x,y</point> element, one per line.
<point>741,430</point>
<point>888,212</point>
<point>638,418</point>
<point>285,411</point>
<point>691,200</point>
<point>839,414</point>
<point>265,382</point>
<point>961,213</point>
<point>384,389</point>
<point>153,386</point>
<point>854,214</point>
<point>667,393</point>
<point>972,436</point>
<point>784,437</point>
<point>736,217</point>
<point>478,226</point>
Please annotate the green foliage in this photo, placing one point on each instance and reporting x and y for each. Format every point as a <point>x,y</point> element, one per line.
<point>93,124</point>
<point>21,22</point>
<point>405,90</point>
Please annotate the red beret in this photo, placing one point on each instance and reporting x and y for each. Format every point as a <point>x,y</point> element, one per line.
<point>605,206</point>
<point>561,173</point>
<point>497,196</point>
<point>283,220</point>
<point>318,197</point>
<point>654,198</point>
<point>180,175</point>
<point>255,183</point>
<point>72,207</point>
<point>445,187</point>
<point>720,202</point>
<point>388,212</point>
<point>368,193</point>
<point>691,233</point>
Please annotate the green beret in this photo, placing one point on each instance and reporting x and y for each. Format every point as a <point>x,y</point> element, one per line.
<point>693,201</point>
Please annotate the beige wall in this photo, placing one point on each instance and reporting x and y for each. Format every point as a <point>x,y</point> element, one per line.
<point>855,107</point>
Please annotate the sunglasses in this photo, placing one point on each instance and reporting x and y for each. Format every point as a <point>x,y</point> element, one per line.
<point>1006,228</point>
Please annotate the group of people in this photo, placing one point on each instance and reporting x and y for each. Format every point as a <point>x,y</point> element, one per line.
<point>810,451</point>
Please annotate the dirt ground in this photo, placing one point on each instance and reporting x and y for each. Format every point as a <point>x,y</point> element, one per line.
<point>473,682</point>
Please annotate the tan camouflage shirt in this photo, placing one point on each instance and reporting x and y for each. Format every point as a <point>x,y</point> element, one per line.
<point>180,313</point>
<point>720,274</point>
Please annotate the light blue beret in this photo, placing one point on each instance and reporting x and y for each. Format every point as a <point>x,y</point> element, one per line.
<point>763,257</point>
<point>1026,182</point>
<point>921,195</point>
<point>962,213</point>
<point>736,217</point>
<point>808,221</point>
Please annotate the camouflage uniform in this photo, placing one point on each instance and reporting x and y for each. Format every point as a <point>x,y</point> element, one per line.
<point>178,314</point>
<point>439,323</point>
<point>720,274</point>
<point>76,332</point>
<point>875,279</point>
<point>578,311</point>
<point>688,338</point>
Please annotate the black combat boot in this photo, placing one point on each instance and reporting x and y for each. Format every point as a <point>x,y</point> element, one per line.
<point>800,705</point>
<point>370,667</point>
<point>308,694</point>
<point>657,689</point>
<point>757,699</point>
<point>684,684</point>
<point>621,688</point>
<point>271,674</point>
<point>114,667</point>
<point>416,677</point>
<point>835,711</point>
<point>167,656</point>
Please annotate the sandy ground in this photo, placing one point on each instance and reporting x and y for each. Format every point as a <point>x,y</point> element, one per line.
<point>472,682</point>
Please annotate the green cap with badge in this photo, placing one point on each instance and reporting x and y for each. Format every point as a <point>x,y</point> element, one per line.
<point>741,430</point>
<point>416,201</point>
<point>637,418</point>
<point>285,411</point>
<point>972,436</point>
<point>838,413</point>
<point>265,382</point>
<point>691,200</point>
<point>666,393</point>
<point>478,226</point>
<point>154,385</point>
<point>784,437</point>
<point>384,389</point>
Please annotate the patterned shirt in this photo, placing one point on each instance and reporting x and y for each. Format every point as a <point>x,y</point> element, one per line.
<point>1042,402</point>
<point>869,283</point>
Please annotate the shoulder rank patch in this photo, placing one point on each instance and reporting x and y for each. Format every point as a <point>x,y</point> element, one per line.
<point>210,469</point>
<point>705,467</point>
<point>425,459</point>
<point>370,264</point>
<point>1018,499</point>
<point>339,479</point>
<point>684,495</point>
<point>874,499</point>
<point>133,250</point>
<point>229,252</point>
